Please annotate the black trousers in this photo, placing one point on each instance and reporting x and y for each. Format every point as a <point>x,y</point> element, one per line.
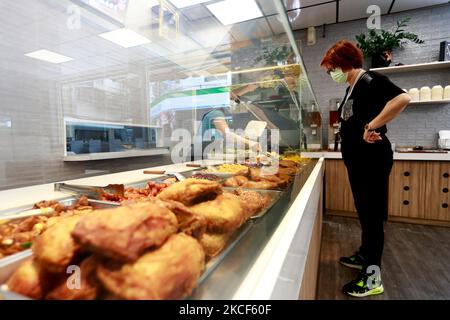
<point>368,168</point>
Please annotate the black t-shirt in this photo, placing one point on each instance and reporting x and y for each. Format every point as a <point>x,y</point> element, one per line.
<point>367,100</point>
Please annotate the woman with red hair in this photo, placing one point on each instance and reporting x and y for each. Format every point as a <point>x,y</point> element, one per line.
<point>370,102</point>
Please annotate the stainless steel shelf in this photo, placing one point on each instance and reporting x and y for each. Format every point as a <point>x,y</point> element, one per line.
<point>418,103</point>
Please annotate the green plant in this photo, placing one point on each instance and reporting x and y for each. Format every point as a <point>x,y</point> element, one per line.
<point>376,42</point>
<point>272,55</point>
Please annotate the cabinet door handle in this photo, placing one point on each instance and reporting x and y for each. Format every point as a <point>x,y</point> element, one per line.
<point>405,202</point>
<point>445,205</point>
<point>445,175</point>
<point>406,188</point>
<point>445,190</point>
<point>406,173</point>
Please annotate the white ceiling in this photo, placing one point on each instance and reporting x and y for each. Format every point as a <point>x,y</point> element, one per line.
<point>351,9</point>
<point>403,5</point>
<point>29,25</point>
<point>318,12</point>
<point>313,16</point>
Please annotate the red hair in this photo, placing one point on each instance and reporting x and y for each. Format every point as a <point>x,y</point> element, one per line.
<point>343,54</point>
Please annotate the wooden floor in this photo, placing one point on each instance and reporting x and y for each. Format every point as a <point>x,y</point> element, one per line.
<point>416,260</point>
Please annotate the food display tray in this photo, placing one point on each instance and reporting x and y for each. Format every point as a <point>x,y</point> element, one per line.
<point>214,262</point>
<point>69,201</point>
<point>9,264</point>
<point>6,262</point>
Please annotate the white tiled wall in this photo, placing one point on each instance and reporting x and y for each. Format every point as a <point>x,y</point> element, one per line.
<point>417,125</point>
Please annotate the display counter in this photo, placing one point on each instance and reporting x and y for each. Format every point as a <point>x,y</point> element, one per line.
<point>275,258</point>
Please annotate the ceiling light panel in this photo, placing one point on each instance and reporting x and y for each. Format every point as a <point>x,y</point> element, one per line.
<point>49,56</point>
<point>125,38</point>
<point>234,11</point>
<point>186,3</point>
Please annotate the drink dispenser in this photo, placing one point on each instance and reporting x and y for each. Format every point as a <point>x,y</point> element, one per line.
<point>314,128</point>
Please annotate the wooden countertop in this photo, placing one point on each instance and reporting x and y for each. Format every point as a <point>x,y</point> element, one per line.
<point>414,156</point>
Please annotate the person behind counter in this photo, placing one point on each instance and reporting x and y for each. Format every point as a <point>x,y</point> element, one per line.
<point>215,124</point>
<point>370,102</point>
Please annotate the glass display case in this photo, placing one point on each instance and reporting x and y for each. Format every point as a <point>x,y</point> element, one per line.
<point>159,77</point>
<point>161,64</point>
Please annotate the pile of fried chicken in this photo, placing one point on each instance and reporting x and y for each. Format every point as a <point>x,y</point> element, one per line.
<point>265,178</point>
<point>152,189</point>
<point>152,249</point>
<point>18,235</point>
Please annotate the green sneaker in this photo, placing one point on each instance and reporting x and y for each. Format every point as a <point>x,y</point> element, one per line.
<point>355,261</point>
<point>363,286</point>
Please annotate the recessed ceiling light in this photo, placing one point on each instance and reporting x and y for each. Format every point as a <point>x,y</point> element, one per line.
<point>233,11</point>
<point>48,56</point>
<point>125,38</point>
<point>186,3</point>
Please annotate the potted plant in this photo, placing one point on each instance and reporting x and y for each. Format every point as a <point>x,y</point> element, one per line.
<point>274,56</point>
<point>378,45</point>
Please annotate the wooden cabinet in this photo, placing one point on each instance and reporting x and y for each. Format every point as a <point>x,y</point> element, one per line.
<point>337,188</point>
<point>419,191</point>
<point>437,200</point>
<point>407,189</point>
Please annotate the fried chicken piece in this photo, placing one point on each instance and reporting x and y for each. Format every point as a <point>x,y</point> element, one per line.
<point>252,201</point>
<point>287,164</point>
<point>191,191</point>
<point>123,233</point>
<point>236,181</point>
<point>262,185</point>
<point>213,243</point>
<point>88,285</point>
<point>55,248</point>
<point>223,214</point>
<point>188,222</point>
<point>55,205</point>
<point>272,174</point>
<point>30,280</point>
<point>289,171</point>
<point>169,272</point>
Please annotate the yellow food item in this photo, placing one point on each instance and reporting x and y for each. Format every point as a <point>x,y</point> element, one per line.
<point>230,168</point>
<point>295,157</point>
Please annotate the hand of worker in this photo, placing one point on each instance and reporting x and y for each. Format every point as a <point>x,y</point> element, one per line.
<point>371,136</point>
<point>255,146</point>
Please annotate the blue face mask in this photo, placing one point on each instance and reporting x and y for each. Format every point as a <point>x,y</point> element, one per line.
<point>339,76</point>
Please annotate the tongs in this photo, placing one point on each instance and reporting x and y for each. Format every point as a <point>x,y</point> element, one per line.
<point>177,175</point>
<point>26,214</point>
<point>91,192</point>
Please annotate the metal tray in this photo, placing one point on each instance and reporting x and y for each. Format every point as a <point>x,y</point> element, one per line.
<point>9,264</point>
<point>4,262</point>
<point>214,262</point>
<point>98,204</point>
